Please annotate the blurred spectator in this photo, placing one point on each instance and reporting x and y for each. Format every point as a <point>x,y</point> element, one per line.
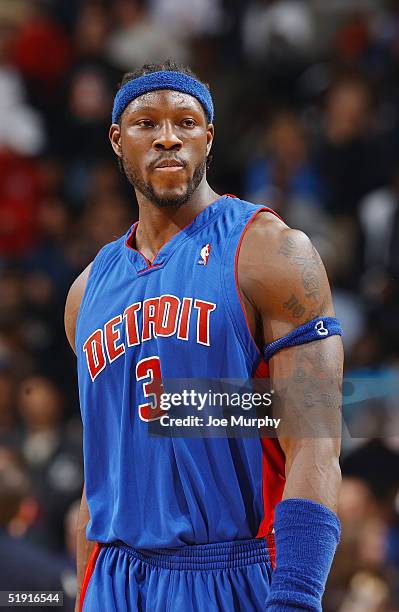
<point>51,253</point>
<point>350,158</point>
<point>14,356</point>
<point>7,407</point>
<point>367,593</point>
<point>70,530</point>
<point>376,213</point>
<point>349,309</point>
<point>283,174</point>
<point>20,193</point>
<point>277,28</point>
<point>352,39</point>
<point>42,52</point>
<point>393,264</point>
<point>17,11</point>
<point>91,32</point>
<point>11,298</point>
<point>21,127</point>
<point>22,566</point>
<point>355,583</point>
<point>371,461</point>
<point>138,39</point>
<point>53,457</point>
<point>197,18</point>
<point>84,128</point>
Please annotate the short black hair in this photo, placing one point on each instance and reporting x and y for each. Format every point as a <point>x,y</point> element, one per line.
<point>169,65</point>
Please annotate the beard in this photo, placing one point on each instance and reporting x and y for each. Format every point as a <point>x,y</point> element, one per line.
<point>160,200</point>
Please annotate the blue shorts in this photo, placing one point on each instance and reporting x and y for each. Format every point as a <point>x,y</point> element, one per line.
<point>226,576</point>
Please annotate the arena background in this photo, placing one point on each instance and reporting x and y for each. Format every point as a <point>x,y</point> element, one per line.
<point>307,121</point>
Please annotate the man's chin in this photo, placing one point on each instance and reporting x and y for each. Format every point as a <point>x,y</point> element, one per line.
<point>171,201</point>
<point>169,198</point>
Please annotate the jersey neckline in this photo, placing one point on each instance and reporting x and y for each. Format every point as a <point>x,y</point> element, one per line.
<point>143,265</point>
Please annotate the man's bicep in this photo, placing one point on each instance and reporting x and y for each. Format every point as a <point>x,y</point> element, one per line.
<point>281,274</point>
<point>300,290</point>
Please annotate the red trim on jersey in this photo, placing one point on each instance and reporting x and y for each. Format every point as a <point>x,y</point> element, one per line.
<point>91,564</point>
<point>265,209</point>
<point>273,479</point>
<point>129,246</point>
<point>271,546</point>
<point>273,458</point>
<point>150,267</point>
<point>262,371</point>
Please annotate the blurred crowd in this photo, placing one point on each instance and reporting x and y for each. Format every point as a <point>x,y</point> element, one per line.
<point>307,121</point>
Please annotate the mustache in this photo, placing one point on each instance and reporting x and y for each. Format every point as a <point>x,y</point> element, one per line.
<point>162,158</point>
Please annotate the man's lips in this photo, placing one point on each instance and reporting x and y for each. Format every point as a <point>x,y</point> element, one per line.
<point>169,164</point>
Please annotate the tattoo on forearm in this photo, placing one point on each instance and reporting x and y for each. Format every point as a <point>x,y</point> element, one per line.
<point>310,266</point>
<point>310,402</point>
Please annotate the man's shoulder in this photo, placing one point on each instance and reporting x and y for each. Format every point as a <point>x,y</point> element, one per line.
<point>77,290</point>
<point>279,268</point>
<point>73,302</point>
<point>269,235</point>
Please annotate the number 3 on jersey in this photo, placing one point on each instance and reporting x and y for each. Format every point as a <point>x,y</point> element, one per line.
<point>150,368</point>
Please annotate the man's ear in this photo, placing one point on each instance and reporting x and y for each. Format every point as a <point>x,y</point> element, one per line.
<point>115,138</point>
<point>210,133</point>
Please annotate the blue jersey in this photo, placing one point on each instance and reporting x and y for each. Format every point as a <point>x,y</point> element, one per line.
<point>179,317</point>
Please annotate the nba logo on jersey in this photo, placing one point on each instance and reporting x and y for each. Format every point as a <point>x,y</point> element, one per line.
<point>204,255</point>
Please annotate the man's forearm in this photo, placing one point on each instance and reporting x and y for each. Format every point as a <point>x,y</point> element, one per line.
<point>307,529</point>
<point>307,385</point>
<point>313,472</point>
<point>84,547</point>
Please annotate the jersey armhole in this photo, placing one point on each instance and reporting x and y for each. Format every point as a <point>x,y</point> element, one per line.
<point>231,290</point>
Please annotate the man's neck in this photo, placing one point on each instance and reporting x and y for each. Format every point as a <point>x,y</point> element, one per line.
<point>158,225</point>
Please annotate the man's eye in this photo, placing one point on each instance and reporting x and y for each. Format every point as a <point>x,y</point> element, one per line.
<point>145,123</point>
<point>188,122</point>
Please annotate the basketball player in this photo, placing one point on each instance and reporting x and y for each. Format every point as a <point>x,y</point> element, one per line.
<point>203,286</point>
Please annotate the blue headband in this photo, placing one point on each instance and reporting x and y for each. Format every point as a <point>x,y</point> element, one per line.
<point>176,81</point>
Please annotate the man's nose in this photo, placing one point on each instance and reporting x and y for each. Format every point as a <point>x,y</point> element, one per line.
<point>167,139</point>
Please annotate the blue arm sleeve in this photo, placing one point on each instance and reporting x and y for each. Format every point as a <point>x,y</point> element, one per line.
<point>316,329</point>
<point>306,534</point>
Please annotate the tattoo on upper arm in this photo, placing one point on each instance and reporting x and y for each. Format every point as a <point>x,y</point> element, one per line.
<point>298,310</point>
<point>317,312</point>
<point>295,307</point>
<point>310,267</point>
